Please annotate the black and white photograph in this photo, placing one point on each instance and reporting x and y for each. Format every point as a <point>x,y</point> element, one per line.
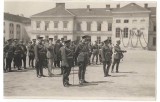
<point>104,50</point>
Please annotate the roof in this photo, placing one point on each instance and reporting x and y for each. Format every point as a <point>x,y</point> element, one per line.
<point>57,11</point>
<point>153,10</point>
<point>90,12</point>
<point>132,7</point>
<point>16,18</point>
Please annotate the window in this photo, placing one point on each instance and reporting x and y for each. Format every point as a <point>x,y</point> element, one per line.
<point>46,25</point>
<point>118,32</point>
<point>38,24</point>
<point>11,28</point>
<point>98,39</point>
<point>88,26</point>
<point>125,34</point>
<point>143,20</point>
<point>134,21</point>
<point>55,24</point>
<point>4,27</point>
<point>55,38</point>
<point>18,31</point>
<point>109,26</point>
<point>79,26</point>
<point>98,26</point>
<point>118,21</point>
<point>65,37</point>
<point>154,41</point>
<point>65,23</point>
<point>154,28</point>
<point>142,29</point>
<point>126,21</point>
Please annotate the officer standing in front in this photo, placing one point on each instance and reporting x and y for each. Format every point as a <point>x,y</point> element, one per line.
<point>82,51</point>
<point>67,61</point>
<point>106,57</point>
<point>9,52</point>
<point>39,57</point>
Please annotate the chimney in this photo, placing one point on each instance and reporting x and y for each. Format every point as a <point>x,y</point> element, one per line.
<point>107,6</point>
<point>88,8</point>
<point>60,5</point>
<point>118,5</point>
<point>146,5</point>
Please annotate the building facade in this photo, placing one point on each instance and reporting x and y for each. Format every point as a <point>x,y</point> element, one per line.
<point>130,24</point>
<point>14,27</point>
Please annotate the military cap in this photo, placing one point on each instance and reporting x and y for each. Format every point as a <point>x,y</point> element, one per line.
<point>51,39</point>
<point>40,38</point>
<point>58,39</point>
<point>106,41</point>
<point>15,39</point>
<point>9,40</point>
<point>118,41</point>
<point>67,41</point>
<point>85,36</point>
<point>62,38</point>
<point>33,39</point>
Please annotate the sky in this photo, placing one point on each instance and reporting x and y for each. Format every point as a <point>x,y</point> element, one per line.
<point>31,7</point>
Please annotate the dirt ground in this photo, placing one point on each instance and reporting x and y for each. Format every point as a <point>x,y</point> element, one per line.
<point>136,81</point>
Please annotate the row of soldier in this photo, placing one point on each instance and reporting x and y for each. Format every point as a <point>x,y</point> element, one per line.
<point>68,53</point>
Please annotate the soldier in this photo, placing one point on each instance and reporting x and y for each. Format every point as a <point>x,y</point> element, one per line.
<point>67,61</point>
<point>73,47</point>
<point>24,53</point>
<point>57,47</point>
<point>50,56</point>
<point>39,57</point>
<point>95,52</point>
<point>82,51</point>
<point>18,54</point>
<point>100,52</point>
<point>118,55</point>
<point>31,54</point>
<point>106,57</point>
<point>9,52</point>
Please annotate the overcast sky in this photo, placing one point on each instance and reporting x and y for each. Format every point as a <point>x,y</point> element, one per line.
<point>28,8</point>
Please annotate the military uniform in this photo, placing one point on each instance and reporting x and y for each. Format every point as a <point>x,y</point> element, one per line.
<point>118,55</point>
<point>40,58</point>
<point>82,51</point>
<point>9,54</point>
<point>67,62</point>
<point>24,54</point>
<point>31,54</point>
<point>50,57</point>
<point>57,47</point>
<point>18,54</point>
<point>106,58</point>
<point>95,52</point>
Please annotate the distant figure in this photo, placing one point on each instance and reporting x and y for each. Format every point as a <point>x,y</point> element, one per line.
<point>118,55</point>
<point>95,52</point>
<point>39,57</point>
<point>106,57</point>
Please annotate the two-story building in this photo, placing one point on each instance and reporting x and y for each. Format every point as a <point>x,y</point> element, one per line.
<point>130,24</point>
<point>15,27</point>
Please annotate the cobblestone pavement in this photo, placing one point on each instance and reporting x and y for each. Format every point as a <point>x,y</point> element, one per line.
<point>136,80</point>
